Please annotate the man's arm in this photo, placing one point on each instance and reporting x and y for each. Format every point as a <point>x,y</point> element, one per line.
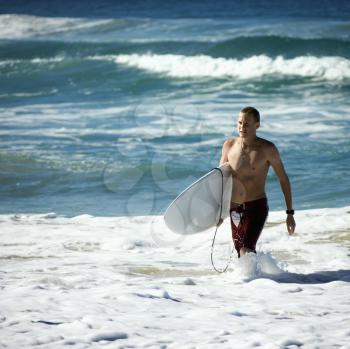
<point>277,165</point>
<point>225,148</point>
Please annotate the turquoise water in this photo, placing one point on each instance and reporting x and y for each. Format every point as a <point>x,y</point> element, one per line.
<point>115,110</point>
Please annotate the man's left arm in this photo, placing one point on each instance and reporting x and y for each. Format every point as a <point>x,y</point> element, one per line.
<point>277,165</point>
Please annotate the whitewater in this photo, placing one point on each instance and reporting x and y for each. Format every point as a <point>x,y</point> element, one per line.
<point>128,282</point>
<point>328,68</point>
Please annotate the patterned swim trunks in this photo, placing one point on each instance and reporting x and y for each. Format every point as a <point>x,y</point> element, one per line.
<point>247,222</point>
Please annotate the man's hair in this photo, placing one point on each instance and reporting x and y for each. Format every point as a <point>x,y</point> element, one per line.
<point>251,111</point>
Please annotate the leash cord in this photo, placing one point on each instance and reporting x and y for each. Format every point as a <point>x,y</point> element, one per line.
<point>217,226</point>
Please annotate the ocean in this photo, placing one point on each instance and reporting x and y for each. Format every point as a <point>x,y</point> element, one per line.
<point>113,108</point>
<point>108,110</point>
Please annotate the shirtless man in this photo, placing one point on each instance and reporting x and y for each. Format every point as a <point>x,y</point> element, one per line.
<point>250,158</point>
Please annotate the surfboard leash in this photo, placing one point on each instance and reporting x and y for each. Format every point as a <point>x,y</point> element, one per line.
<point>216,228</point>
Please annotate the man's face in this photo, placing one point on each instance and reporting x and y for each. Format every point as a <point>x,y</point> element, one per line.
<point>246,125</point>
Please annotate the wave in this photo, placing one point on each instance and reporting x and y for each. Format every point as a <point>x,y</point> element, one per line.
<point>227,34</point>
<point>273,45</point>
<point>25,26</point>
<point>72,29</point>
<point>202,66</point>
<point>239,47</point>
<point>36,60</point>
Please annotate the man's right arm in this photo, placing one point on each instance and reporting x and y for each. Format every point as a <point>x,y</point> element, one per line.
<point>225,148</point>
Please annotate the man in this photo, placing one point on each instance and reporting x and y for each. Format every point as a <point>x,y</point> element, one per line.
<point>250,158</point>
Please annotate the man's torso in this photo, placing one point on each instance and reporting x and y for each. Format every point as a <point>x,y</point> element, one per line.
<point>249,169</point>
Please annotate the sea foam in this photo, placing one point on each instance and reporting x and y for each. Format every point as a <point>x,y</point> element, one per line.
<point>71,281</point>
<point>26,26</point>
<point>257,66</point>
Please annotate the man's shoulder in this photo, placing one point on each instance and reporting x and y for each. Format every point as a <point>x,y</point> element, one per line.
<point>269,148</point>
<point>229,142</point>
<point>266,144</point>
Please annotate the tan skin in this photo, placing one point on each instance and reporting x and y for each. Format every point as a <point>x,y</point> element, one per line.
<point>250,158</point>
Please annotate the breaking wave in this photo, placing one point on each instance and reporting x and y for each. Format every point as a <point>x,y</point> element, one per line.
<point>179,66</point>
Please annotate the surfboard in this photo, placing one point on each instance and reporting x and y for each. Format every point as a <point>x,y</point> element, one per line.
<point>198,207</point>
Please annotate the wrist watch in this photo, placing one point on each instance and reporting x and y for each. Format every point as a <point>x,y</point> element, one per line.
<point>290,212</point>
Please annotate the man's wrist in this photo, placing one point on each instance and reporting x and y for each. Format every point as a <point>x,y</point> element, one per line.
<point>290,212</point>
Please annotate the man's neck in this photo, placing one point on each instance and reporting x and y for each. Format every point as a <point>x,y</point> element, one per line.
<point>248,141</point>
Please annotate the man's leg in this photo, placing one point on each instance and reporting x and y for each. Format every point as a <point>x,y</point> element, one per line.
<point>245,250</point>
<point>236,227</point>
<point>253,221</point>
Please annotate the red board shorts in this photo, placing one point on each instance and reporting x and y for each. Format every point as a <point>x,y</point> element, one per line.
<point>247,222</point>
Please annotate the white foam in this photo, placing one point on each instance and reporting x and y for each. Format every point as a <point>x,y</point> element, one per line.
<point>59,274</point>
<point>302,126</point>
<point>328,68</point>
<point>25,26</point>
<point>261,265</point>
<point>37,60</point>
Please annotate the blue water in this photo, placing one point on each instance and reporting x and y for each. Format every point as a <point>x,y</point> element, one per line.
<point>113,108</point>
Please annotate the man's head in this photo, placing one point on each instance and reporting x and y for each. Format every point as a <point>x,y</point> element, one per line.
<point>248,122</point>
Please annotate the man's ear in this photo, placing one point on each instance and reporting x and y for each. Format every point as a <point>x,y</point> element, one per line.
<point>257,125</point>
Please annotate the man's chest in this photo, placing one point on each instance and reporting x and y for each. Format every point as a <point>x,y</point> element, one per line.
<point>247,161</point>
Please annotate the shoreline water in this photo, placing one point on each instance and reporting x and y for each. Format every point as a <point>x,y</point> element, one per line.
<point>128,281</point>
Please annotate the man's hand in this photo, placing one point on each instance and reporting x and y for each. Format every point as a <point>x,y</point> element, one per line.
<point>290,224</point>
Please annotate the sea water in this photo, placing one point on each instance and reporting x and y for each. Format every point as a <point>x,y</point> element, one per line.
<point>108,109</point>
<point>114,109</point>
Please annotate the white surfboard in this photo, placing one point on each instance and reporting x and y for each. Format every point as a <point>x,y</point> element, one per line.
<point>198,207</point>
